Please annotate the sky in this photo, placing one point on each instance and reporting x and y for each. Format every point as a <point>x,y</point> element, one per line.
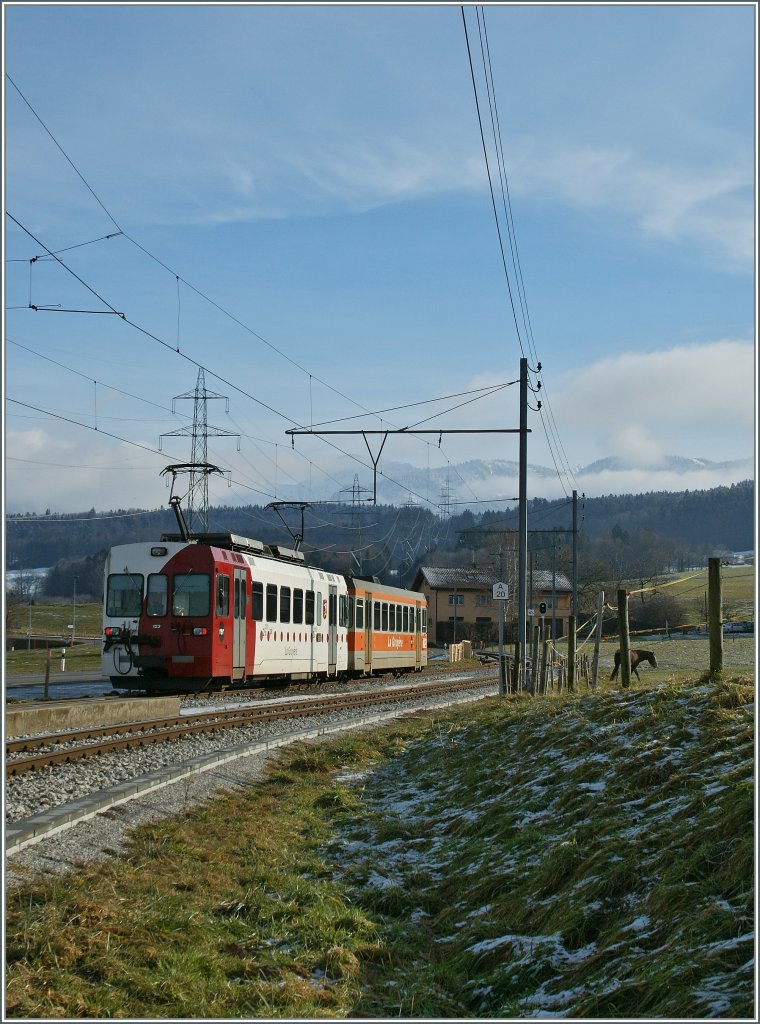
<point>295,200</point>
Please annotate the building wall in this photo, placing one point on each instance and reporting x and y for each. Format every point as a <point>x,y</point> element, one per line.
<point>475,605</point>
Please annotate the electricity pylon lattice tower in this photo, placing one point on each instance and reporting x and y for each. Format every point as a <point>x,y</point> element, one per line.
<point>196,508</point>
<point>358,510</point>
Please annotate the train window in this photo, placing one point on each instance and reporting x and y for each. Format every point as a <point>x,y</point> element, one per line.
<point>332,617</point>
<point>392,618</point>
<point>243,599</point>
<point>350,612</point>
<point>360,613</point>
<point>257,601</point>
<point>405,614</point>
<point>424,620</point>
<point>124,594</point>
<point>376,615</point>
<point>384,626</point>
<point>191,594</point>
<point>343,610</point>
<point>309,619</point>
<point>284,604</point>
<point>158,595</point>
<point>297,605</point>
<point>223,595</point>
<point>271,602</point>
<point>238,601</point>
<point>321,612</point>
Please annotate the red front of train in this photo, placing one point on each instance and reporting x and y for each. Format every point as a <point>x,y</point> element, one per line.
<point>176,610</point>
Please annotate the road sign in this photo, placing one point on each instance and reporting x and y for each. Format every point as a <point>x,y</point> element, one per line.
<point>500,592</point>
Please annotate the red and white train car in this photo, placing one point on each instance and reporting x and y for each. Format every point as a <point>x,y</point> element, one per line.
<point>221,609</point>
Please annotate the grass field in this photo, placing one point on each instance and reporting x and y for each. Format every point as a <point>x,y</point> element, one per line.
<point>588,855</point>
<point>737,584</point>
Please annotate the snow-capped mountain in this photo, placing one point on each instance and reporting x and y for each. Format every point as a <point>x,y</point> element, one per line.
<point>496,480</point>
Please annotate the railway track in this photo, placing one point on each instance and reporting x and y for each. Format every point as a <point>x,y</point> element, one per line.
<point>65,747</point>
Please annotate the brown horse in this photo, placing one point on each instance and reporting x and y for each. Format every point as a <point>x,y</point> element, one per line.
<point>636,659</point>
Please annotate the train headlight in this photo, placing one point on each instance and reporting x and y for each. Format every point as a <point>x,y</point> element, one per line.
<point>221,630</point>
<point>112,632</point>
<point>200,631</point>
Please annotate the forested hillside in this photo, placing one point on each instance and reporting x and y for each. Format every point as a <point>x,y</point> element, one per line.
<point>684,527</point>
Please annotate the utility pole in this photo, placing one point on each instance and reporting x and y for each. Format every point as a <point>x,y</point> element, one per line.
<point>501,604</point>
<point>575,555</point>
<point>522,566</point>
<point>554,588</point>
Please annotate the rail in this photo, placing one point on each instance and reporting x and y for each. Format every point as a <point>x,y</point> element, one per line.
<point>160,730</point>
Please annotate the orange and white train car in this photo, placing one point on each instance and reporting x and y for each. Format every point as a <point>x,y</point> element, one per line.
<point>387,628</point>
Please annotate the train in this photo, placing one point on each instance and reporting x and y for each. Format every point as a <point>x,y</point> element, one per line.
<point>216,611</point>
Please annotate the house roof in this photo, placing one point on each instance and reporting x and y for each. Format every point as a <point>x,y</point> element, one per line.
<point>462,579</point>
<point>542,580</point>
<point>480,579</point>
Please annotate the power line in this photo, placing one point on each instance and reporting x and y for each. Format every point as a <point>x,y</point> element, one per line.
<point>178,278</point>
<point>490,183</point>
<point>548,421</point>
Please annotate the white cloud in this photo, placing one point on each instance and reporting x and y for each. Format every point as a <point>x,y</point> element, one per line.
<point>696,401</point>
<point>699,396</point>
<point>708,204</point>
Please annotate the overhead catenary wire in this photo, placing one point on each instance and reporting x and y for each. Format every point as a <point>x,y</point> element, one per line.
<point>507,204</point>
<point>178,278</point>
<point>490,184</point>
<point>548,422</point>
<point>184,355</point>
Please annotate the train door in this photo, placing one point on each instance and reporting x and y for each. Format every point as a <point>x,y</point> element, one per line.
<point>367,633</point>
<point>417,636</point>
<point>240,605</point>
<point>332,630</point>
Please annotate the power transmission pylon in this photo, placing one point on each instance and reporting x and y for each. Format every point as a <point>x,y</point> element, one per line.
<point>199,467</point>
<point>358,510</point>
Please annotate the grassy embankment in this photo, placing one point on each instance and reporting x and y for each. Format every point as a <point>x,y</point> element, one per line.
<point>585,855</point>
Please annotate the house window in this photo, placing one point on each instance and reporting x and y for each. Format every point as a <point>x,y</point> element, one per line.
<point>456,598</point>
<point>482,599</point>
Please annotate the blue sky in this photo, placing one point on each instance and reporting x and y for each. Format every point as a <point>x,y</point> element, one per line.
<point>317,171</point>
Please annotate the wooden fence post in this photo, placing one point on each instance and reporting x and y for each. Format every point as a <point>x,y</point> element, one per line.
<point>571,640</point>
<point>47,672</point>
<point>544,659</point>
<point>715,615</point>
<point>597,638</point>
<point>625,639</point>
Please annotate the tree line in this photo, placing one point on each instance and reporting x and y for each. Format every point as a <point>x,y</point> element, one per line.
<point>619,537</point>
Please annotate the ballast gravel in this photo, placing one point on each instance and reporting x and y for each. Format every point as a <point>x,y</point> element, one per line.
<point>104,835</point>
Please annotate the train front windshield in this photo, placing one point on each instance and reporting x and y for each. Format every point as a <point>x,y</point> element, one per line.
<point>191,594</point>
<point>124,595</point>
